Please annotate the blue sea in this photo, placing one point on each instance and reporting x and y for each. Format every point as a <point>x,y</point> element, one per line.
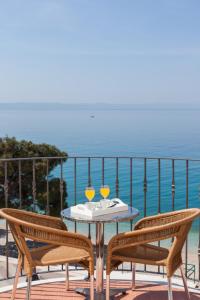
<point>121,133</point>
<point>113,132</point>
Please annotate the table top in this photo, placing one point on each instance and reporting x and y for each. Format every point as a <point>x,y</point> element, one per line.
<point>123,216</point>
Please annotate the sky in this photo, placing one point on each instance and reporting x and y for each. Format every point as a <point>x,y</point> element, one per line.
<point>116,51</point>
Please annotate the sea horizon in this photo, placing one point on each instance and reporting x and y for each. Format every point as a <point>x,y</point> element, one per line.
<point>98,106</point>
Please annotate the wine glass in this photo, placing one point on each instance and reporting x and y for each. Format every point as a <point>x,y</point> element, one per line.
<point>89,193</point>
<point>104,191</point>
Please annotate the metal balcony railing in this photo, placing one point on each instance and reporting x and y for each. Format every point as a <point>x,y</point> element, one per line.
<point>153,185</point>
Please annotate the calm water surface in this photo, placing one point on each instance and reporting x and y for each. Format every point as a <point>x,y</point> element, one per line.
<point>148,133</point>
<point>125,133</point>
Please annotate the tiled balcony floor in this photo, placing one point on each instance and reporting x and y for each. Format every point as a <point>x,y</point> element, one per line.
<point>56,291</point>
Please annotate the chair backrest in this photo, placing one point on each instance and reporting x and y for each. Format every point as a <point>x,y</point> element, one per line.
<point>184,219</point>
<point>21,222</point>
<point>176,225</point>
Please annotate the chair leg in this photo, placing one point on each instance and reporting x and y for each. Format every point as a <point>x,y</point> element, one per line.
<point>133,276</point>
<point>28,291</point>
<point>67,276</point>
<point>185,283</point>
<point>19,265</point>
<point>107,287</point>
<point>91,287</point>
<point>170,296</point>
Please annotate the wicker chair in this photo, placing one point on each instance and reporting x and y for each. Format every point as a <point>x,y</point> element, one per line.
<point>136,247</point>
<point>62,247</point>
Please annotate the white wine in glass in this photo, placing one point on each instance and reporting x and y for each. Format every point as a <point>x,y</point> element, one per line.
<point>105,191</point>
<point>89,193</point>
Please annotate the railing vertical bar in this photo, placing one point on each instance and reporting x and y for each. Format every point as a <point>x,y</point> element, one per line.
<point>34,195</point>
<point>6,183</point>
<point>159,196</point>
<point>131,195</point>
<point>103,171</point>
<point>173,184</point>
<point>6,205</point>
<point>145,187</point>
<point>34,186</point>
<point>20,183</point>
<point>61,191</point>
<point>198,285</point>
<point>103,181</point>
<point>89,172</point>
<point>131,188</point>
<point>173,187</point>
<point>75,193</point>
<point>61,184</point>
<point>89,184</point>
<point>117,187</point>
<point>117,190</point>
<point>145,192</point>
<point>47,187</point>
<point>75,196</point>
<point>159,186</point>
<point>187,204</point>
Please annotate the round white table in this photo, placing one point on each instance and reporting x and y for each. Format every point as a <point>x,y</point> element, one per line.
<point>124,216</point>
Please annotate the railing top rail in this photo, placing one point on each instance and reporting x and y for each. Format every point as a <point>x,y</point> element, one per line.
<point>98,157</point>
<point>33,158</point>
<point>135,157</point>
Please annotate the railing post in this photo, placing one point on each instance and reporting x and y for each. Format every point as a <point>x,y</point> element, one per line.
<point>20,183</point>
<point>75,171</point>
<point>131,187</point>
<point>34,276</point>
<point>117,187</point>
<point>131,196</point>
<point>159,195</point>
<point>198,285</point>
<point>159,187</point>
<point>89,172</point>
<point>47,175</point>
<point>103,170</point>
<point>186,204</point>
<point>6,205</point>
<point>6,183</point>
<point>173,184</point>
<point>61,184</point>
<point>89,184</point>
<point>145,192</point>
<point>34,186</point>
<point>145,187</point>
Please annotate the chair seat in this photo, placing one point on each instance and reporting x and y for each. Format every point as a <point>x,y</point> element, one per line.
<point>51,254</point>
<point>146,253</point>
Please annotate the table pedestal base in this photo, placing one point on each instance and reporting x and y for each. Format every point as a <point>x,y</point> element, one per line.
<point>100,296</point>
